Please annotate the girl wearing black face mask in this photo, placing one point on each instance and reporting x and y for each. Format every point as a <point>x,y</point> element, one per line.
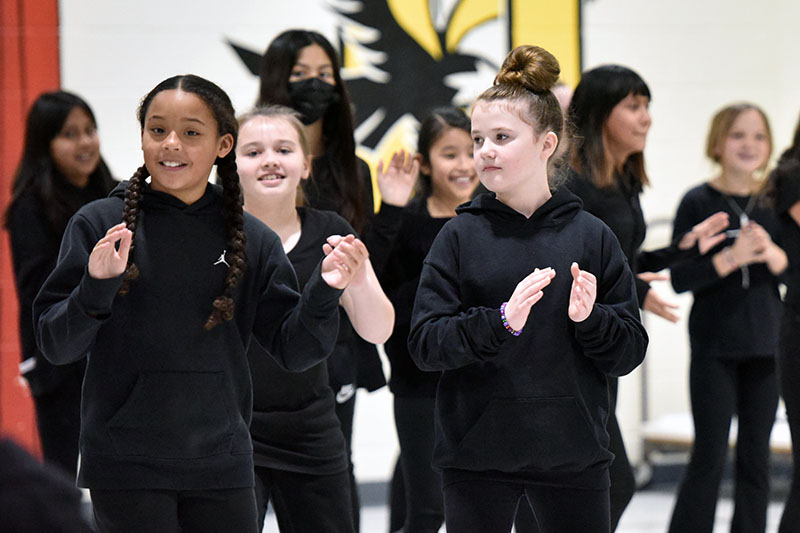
<point>300,69</point>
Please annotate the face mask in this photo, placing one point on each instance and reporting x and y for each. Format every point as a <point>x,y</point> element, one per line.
<point>311,98</point>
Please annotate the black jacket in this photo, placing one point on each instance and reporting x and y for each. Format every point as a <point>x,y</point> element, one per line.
<point>534,405</point>
<point>166,404</point>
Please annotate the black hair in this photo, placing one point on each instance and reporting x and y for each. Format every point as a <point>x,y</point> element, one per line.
<point>339,165</point>
<point>221,108</point>
<point>598,92</point>
<point>783,186</point>
<point>435,124</point>
<point>37,171</point>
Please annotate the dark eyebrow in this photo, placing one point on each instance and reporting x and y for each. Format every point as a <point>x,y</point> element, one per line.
<point>187,119</point>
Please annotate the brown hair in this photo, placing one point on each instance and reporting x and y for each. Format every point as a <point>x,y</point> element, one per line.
<point>526,78</point>
<point>721,125</point>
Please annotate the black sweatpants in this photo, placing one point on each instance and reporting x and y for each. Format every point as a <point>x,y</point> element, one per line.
<point>489,506</point>
<point>789,376</point>
<point>720,388</point>
<point>421,484</point>
<point>166,511</point>
<point>305,503</point>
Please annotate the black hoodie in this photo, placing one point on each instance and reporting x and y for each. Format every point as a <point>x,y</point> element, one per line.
<point>535,406</point>
<point>166,404</point>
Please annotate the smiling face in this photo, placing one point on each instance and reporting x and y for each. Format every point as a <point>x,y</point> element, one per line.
<point>270,159</point>
<point>76,148</point>
<point>746,147</point>
<point>508,157</point>
<point>451,167</point>
<point>625,129</point>
<point>181,142</point>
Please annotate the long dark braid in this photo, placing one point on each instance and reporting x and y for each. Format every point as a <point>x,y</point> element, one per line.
<point>130,216</point>
<point>232,212</point>
<point>233,216</point>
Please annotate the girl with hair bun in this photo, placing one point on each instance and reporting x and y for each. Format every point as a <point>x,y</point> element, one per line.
<point>526,306</point>
<point>163,307</point>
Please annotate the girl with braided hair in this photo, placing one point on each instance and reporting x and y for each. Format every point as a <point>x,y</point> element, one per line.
<point>163,306</point>
<point>527,306</point>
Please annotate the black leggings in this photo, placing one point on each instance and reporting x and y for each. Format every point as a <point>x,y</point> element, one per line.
<point>489,506</point>
<point>305,502</point>
<point>345,412</point>
<point>133,511</point>
<point>789,374</point>
<point>720,388</point>
<point>421,484</point>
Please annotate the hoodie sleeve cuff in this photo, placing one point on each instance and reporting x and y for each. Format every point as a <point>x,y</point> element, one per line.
<point>96,296</point>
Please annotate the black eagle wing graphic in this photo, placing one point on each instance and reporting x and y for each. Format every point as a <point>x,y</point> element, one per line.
<point>416,80</point>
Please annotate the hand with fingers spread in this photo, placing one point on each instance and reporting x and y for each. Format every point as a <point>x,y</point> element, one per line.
<point>582,295</point>
<point>707,234</point>
<point>396,181</point>
<point>106,261</point>
<point>344,257</point>
<point>525,295</point>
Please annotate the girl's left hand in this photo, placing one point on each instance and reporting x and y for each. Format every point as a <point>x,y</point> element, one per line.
<point>344,259</point>
<point>582,295</point>
<point>396,181</point>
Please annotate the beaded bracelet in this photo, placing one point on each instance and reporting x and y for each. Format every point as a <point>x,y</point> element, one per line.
<point>506,325</point>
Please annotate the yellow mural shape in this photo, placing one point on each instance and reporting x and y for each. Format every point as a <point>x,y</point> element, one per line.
<point>467,15</point>
<point>415,18</point>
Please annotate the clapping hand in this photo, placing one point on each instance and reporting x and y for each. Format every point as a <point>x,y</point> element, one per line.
<point>343,262</point>
<point>582,295</point>
<point>707,233</point>
<point>525,295</point>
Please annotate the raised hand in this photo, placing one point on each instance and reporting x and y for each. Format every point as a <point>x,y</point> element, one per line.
<point>106,261</point>
<point>707,233</point>
<point>582,295</point>
<point>396,182</point>
<point>344,259</point>
<point>525,295</point>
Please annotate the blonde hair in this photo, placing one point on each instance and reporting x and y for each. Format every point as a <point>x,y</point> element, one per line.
<point>721,125</point>
<point>292,117</point>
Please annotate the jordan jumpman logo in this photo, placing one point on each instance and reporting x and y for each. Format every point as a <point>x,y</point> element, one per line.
<point>222,259</point>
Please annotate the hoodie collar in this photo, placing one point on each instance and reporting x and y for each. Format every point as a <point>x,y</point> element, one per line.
<point>560,208</point>
<point>164,201</point>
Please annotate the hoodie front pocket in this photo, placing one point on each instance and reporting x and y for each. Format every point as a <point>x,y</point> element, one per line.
<point>533,434</point>
<point>174,415</point>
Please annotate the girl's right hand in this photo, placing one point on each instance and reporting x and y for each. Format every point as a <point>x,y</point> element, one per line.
<point>397,181</point>
<point>105,260</point>
<point>527,293</point>
<point>750,244</point>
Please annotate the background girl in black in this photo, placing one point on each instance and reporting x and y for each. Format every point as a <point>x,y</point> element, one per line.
<point>522,399</point>
<point>610,117</point>
<point>784,191</point>
<point>447,178</point>
<point>164,311</point>
<point>300,69</point>
<point>733,327</point>
<point>299,450</point>
<point>61,169</point>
